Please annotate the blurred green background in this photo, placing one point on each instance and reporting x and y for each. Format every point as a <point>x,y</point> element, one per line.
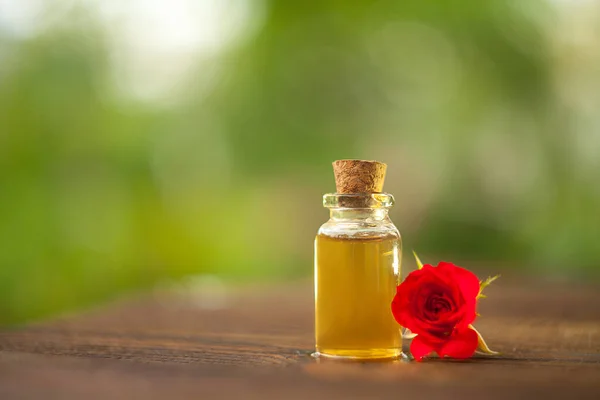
<point>143,142</point>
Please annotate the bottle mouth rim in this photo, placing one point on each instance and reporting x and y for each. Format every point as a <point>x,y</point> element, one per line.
<point>358,200</point>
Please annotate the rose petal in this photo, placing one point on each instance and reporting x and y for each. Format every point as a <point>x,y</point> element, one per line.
<point>400,311</point>
<point>409,304</point>
<point>420,348</point>
<point>468,284</point>
<point>405,296</point>
<point>405,317</point>
<point>466,280</point>
<point>408,315</point>
<point>461,345</point>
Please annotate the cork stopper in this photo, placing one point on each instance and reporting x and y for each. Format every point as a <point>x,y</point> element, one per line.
<point>359,176</point>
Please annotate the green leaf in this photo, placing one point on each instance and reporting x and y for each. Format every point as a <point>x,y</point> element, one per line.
<point>419,263</point>
<point>482,346</point>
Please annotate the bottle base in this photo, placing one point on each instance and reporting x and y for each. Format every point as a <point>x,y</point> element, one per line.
<point>369,354</point>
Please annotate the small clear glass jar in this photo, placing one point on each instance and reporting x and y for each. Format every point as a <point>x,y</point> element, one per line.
<point>357,268</point>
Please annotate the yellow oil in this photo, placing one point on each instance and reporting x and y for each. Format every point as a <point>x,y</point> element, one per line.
<point>355,283</point>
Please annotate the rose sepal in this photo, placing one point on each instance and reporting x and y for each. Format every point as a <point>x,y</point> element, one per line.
<point>482,347</point>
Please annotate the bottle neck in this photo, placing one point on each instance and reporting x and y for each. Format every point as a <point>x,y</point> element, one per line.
<point>361,214</point>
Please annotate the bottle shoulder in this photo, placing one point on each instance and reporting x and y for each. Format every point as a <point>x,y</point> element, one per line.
<point>359,229</point>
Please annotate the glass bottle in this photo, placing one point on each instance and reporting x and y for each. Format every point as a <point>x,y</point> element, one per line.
<point>357,269</point>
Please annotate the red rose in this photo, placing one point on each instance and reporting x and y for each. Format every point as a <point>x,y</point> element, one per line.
<point>438,304</point>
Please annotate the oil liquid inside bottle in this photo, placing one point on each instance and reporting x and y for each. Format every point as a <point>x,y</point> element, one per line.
<point>355,283</point>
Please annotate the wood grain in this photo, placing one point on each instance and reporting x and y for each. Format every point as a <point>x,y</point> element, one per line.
<point>255,342</point>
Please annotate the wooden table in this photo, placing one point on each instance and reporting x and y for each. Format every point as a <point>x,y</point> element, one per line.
<point>254,342</point>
